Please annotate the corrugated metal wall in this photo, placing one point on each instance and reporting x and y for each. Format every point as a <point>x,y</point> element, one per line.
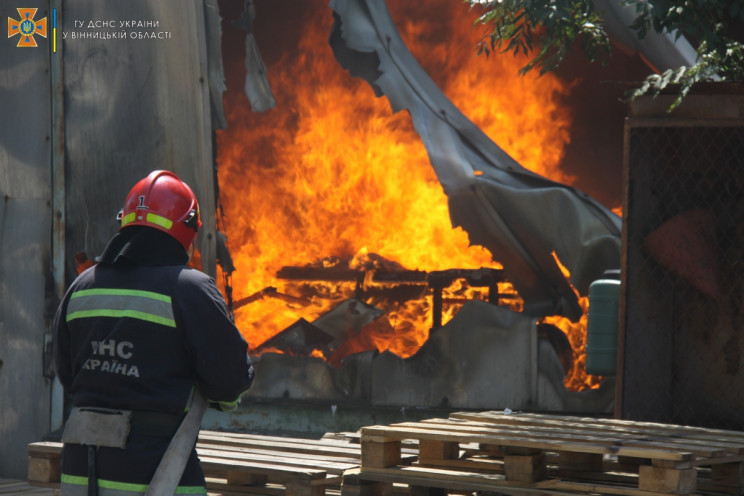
<point>136,98</point>
<point>25,241</point>
<point>131,106</point>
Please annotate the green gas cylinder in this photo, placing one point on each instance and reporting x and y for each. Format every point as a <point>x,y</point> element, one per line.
<point>601,327</point>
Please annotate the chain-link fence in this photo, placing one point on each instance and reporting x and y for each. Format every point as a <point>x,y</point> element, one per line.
<point>682,314</point>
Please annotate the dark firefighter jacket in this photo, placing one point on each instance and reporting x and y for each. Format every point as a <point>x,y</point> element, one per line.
<point>138,332</point>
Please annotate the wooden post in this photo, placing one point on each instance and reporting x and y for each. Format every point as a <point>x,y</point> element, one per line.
<point>380,453</point>
<point>43,469</point>
<point>438,450</point>
<point>44,461</point>
<point>303,487</point>
<point>525,468</point>
<point>353,485</point>
<point>667,480</point>
<point>366,488</point>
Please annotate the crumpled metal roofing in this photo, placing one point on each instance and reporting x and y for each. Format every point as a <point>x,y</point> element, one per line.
<point>521,217</point>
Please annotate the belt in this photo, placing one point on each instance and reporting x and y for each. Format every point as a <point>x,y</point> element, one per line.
<point>106,427</point>
<point>155,424</point>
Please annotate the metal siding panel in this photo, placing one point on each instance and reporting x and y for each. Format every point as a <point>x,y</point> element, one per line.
<point>25,220</point>
<point>133,106</point>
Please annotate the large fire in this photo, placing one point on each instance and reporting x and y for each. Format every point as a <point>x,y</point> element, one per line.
<point>331,177</point>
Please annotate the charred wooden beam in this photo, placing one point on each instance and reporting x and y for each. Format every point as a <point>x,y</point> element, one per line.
<point>271,292</point>
<point>406,276</point>
<point>483,277</point>
<point>436,280</point>
<point>331,274</point>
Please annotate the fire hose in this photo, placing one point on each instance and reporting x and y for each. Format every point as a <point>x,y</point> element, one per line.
<point>169,471</point>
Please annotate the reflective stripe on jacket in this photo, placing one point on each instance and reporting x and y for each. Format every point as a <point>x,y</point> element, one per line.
<point>78,486</point>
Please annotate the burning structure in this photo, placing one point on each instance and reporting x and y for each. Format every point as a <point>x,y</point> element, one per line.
<point>367,260</point>
<point>366,233</point>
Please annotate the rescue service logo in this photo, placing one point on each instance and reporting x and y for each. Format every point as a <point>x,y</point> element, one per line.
<point>26,27</point>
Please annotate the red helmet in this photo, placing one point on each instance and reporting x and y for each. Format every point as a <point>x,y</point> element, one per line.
<point>163,201</point>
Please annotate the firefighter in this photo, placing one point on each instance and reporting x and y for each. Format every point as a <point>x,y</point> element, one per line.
<point>135,337</point>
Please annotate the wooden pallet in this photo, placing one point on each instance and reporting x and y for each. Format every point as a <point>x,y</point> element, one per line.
<point>245,464</point>
<point>22,488</point>
<point>532,454</point>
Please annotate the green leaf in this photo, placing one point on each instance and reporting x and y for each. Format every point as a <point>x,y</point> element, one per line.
<point>546,30</point>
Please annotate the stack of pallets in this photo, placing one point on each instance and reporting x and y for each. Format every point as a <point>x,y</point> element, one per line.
<point>467,453</point>
<point>244,464</point>
<point>534,454</point>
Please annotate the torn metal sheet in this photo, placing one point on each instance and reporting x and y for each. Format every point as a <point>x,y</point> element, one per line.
<point>521,217</point>
<point>486,357</point>
<point>347,319</point>
<point>213,38</point>
<point>256,87</point>
<point>301,338</point>
<point>661,51</point>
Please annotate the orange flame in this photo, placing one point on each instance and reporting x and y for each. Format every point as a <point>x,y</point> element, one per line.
<point>332,175</point>
<point>577,379</point>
